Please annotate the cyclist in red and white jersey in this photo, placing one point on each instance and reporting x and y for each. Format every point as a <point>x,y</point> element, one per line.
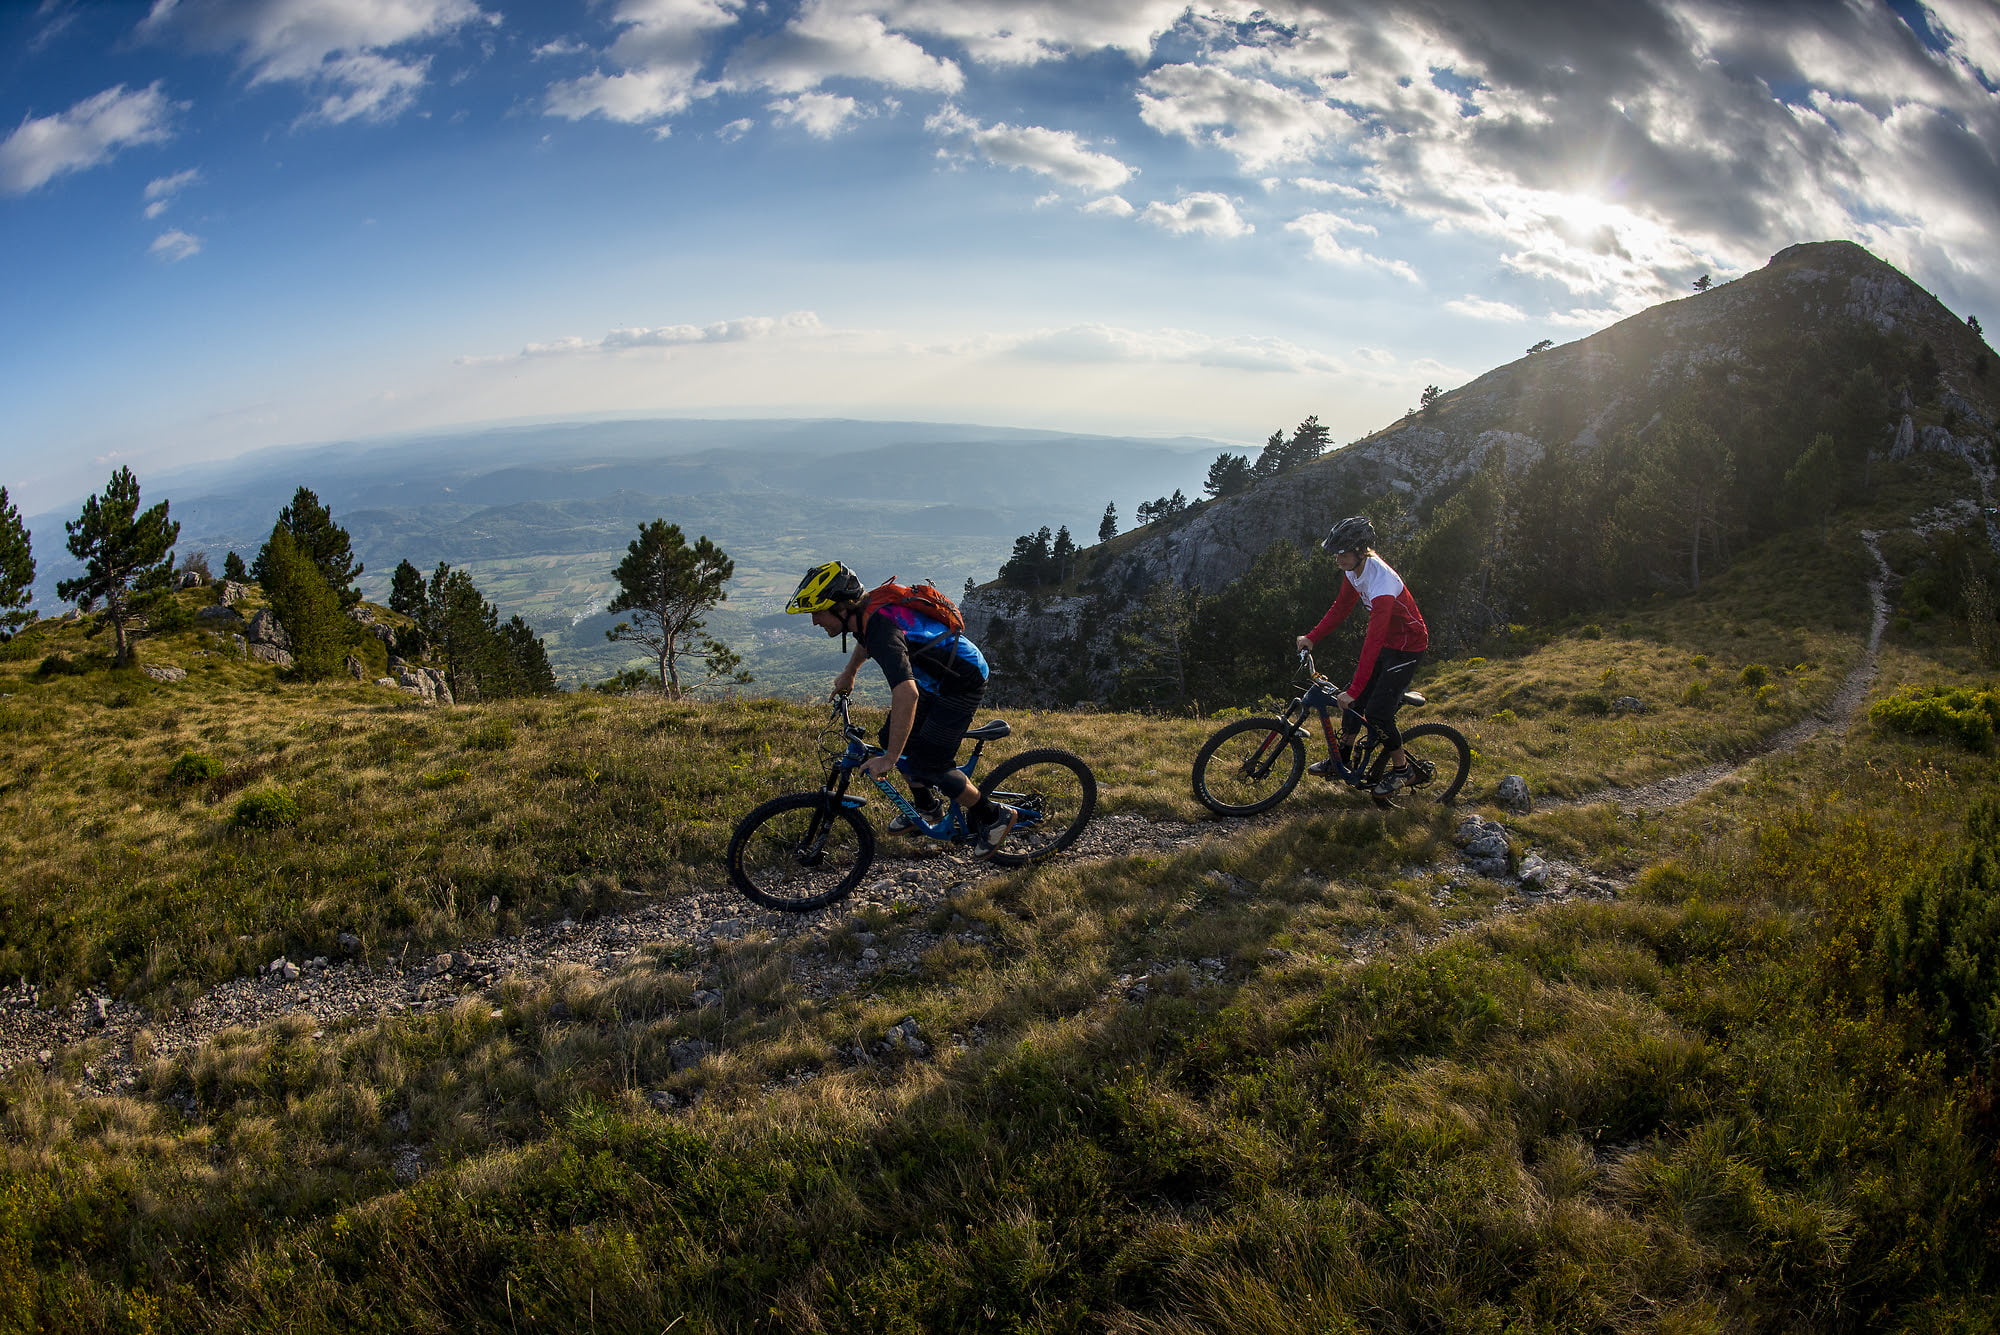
<point>1396,638</point>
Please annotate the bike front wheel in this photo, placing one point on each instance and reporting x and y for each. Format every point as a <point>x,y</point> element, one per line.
<point>1054,791</point>
<point>1442,760</point>
<point>801,851</point>
<point>1248,767</point>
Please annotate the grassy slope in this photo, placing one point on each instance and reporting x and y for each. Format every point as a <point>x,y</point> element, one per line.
<point>1685,1110</point>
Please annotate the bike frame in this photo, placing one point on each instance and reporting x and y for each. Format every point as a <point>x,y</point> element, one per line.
<point>1323,696</point>
<point>951,828</point>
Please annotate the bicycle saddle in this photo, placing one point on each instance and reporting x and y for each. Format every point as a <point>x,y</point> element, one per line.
<point>990,732</point>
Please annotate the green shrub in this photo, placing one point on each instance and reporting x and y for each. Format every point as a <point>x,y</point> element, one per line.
<point>1590,702</point>
<point>1940,944</point>
<point>1958,712</point>
<point>1699,662</point>
<point>1474,662</point>
<point>1755,674</point>
<point>266,809</point>
<point>1591,632</point>
<point>444,778</point>
<point>1769,697</point>
<point>1505,716</point>
<point>60,665</point>
<point>1696,695</point>
<point>193,768</point>
<point>493,735</point>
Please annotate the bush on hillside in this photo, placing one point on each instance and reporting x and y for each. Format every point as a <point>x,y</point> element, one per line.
<point>60,665</point>
<point>266,809</point>
<point>192,768</point>
<point>1958,712</point>
<point>1940,944</point>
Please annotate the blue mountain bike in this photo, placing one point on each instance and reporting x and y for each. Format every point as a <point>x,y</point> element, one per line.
<point>804,851</point>
<point>1254,763</point>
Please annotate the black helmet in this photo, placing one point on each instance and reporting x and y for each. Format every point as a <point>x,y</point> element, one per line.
<point>1351,534</point>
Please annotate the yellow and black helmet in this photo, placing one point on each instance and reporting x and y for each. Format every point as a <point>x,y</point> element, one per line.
<point>825,585</point>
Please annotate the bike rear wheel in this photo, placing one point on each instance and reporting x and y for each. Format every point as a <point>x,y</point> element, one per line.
<point>1054,791</point>
<point>1441,758</point>
<point>801,851</point>
<point>1248,767</point>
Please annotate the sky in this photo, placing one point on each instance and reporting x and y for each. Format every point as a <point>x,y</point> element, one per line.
<point>234,224</point>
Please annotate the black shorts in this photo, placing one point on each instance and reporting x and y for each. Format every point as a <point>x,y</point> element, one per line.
<point>931,752</point>
<point>1379,700</point>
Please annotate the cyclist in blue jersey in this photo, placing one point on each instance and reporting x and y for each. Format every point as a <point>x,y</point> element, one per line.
<point>936,678</point>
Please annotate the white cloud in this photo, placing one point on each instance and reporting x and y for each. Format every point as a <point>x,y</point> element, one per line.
<point>1058,154</point>
<point>668,336</point>
<point>1481,308</point>
<point>736,129</point>
<point>1377,356</point>
<point>657,58</point>
<point>1316,186</point>
<point>1020,32</point>
<point>332,44</point>
<point>561,46</point>
<point>1204,211</point>
<point>828,41</point>
<point>91,132</point>
<point>160,191</point>
<point>1258,122</point>
<point>1322,227</point>
<point>821,115</point>
<point>1110,206</point>
<point>174,246</point>
<point>1109,343</point>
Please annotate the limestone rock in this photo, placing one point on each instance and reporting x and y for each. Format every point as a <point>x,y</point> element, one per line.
<point>164,673</point>
<point>229,591</point>
<point>1512,793</point>
<point>264,629</point>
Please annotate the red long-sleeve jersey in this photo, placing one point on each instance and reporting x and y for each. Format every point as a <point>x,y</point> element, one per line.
<point>1393,619</point>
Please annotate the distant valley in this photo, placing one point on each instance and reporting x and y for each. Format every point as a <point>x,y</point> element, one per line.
<point>541,514</point>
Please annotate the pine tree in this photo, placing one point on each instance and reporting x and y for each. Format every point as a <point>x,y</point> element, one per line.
<point>1272,459</point>
<point>1107,527</point>
<point>234,570</point>
<point>1228,475</point>
<point>1307,443</point>
<point>305,605</point>
<point>1062,556</point>
<point>127,560</point>
<point>669,587</point>
<point>17,569</point>
<point>323,542</point>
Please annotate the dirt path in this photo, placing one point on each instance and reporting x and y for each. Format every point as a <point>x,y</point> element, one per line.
<point>330,991</point>
<point>1679,789</point>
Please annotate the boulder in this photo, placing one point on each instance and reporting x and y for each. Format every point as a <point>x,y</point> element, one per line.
<point>356,668</point>
<point>1512,793</point>
<point>220,618</point>
<point>270,653</point>
<point>190,579</point>
<point>1628,704</point>
<point>265,629</point>
<point>229,591</point>
<point>164,673</point>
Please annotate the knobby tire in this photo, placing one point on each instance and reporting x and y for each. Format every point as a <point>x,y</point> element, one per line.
<point>1053,782</point>
<point>764,861</point>
<point>1248,767</point>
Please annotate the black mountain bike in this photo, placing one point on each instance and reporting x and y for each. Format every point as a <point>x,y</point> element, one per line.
<point>807,850</point>
<point>1254,763</point>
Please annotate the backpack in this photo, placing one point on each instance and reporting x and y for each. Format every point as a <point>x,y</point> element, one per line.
<point>925,598</point>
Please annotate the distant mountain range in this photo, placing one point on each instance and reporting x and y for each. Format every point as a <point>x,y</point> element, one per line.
<point>540,514</point>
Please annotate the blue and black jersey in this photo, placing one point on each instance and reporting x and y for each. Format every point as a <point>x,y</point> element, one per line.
<point>909,646</point>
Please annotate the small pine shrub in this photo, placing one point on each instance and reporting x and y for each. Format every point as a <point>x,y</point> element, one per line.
<point>1699,662</point>
<point>1969,716</point>
<point>193,768</point>
<point>1768,697</point>
<point>1696,695</point>
<point>1505,717</point>
<point>1755,674</point>
<point>1591,632</point>
<point>1940,944</point>
<point>266,809</point>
